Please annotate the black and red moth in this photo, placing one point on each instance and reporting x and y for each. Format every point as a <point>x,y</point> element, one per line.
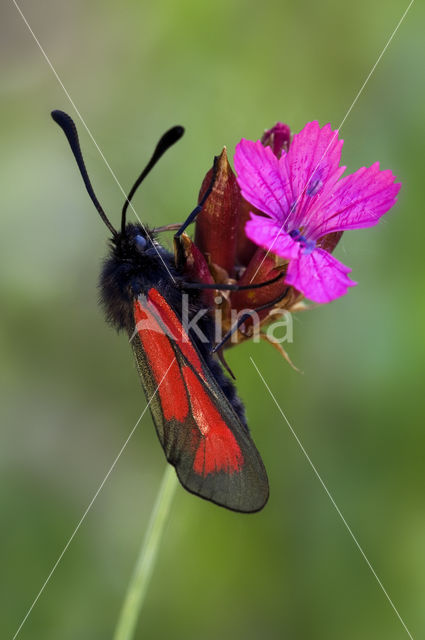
<point>198,416</point>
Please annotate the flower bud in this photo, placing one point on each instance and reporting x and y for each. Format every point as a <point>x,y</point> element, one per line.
<point>278,138</point>
<point>216,225</point>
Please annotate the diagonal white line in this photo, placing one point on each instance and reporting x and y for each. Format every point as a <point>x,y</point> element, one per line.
<point>359,93</point>
<point>347,526</point>
<point>88,130</point>
<point>376,63</point>
<point>90,505</point>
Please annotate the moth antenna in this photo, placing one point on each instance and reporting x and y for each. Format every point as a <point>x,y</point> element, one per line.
<point>169,138</point>
<point>67,125</point>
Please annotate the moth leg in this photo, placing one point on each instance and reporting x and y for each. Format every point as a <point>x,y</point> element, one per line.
<point>178,245</point>
<point>231,331</point>
<point>232,287</point>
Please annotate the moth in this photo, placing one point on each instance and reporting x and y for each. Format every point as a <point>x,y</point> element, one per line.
<point>199,418</point>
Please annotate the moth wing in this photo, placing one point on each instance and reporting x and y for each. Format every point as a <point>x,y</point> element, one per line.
<point>200,432</point>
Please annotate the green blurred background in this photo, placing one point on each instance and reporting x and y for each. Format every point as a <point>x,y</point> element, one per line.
<point>225,70</point>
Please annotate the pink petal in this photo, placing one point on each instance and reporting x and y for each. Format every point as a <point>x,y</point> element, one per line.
<point>313,166</point>
<point>260,179</point>
<point>359,200</point>
<point>319,276</point>
<point>270,235</point>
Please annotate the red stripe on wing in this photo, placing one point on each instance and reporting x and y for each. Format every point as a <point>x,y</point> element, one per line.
<point>160,354</point>
<point>175,329</point>
<point>216,446</point>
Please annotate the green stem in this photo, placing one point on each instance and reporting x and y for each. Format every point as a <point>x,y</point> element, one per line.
<point>137,589</point>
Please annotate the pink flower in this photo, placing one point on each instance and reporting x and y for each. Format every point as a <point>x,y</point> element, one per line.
<point>304,199</point>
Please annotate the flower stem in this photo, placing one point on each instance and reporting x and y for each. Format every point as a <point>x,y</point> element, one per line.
<point>137,588</point>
